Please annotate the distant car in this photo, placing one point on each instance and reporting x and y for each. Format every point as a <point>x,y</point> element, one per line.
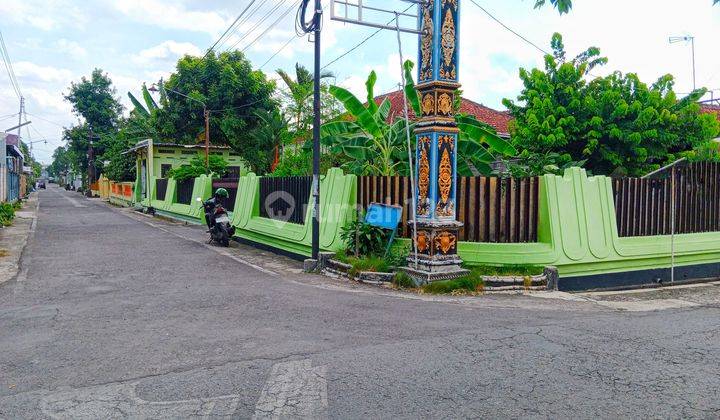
<point>41,184</point>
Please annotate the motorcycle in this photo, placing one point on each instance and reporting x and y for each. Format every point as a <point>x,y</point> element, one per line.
<point>220,228</point>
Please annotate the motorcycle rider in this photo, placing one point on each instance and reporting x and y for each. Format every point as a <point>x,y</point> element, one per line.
<point>210,205</point>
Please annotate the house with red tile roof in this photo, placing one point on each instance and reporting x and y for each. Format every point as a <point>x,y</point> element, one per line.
<point>499,120</point>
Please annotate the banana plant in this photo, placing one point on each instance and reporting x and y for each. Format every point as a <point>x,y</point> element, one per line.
<point>478,144</point>
<point>376,147</point>
<point>141,122</point>
<point>373,146</point>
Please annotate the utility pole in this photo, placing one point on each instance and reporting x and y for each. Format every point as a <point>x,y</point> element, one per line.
<point>91,164</point>
<point>207,139</point>
<point>316,136</point>
<point>20,115</point>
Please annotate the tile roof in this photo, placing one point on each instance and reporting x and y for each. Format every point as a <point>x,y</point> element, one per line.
<point>497,119</point>
<point>711,109</point>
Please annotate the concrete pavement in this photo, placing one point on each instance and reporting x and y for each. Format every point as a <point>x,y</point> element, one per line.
<point>121,316</point>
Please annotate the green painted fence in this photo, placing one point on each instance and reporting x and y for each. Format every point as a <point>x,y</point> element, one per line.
<point>577,231</point>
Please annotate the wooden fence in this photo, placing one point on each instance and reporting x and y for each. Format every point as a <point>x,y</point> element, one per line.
<point>285,198</point>
<point>161,185</point>
<point>502,210</point>
<point>644,206</point>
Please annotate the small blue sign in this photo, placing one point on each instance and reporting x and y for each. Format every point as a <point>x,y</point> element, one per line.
<point>383,216</point>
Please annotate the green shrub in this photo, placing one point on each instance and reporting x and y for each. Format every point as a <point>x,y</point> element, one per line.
<point>7,213</point>
<point>217,166</point>
<point>371,240</point>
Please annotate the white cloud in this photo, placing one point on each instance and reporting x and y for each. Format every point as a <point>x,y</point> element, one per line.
<point>166,51</point>
<point>30,73</point>
<point>171,15</point>
<point>72,48</point>
<point>42,14</point>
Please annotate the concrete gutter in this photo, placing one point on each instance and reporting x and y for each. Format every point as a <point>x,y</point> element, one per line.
<point>14,239</point>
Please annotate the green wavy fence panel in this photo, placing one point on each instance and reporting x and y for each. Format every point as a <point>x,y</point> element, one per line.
<point>337,208</point>
<point>578,234</point>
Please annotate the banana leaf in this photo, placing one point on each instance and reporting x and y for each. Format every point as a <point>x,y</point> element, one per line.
<point>138,106</point>
<point>151,104</point>
<point>410,91</point>
<point>480,133</point>
<point>353,105</point>
<point>370,85</point>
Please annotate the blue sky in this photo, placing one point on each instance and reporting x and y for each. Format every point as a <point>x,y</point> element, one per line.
<point>53,42</point>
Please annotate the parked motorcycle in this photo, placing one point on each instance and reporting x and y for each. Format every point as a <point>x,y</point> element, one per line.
<point>217,219</point>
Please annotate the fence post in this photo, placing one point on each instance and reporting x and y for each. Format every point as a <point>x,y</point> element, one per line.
<point>672,228</point>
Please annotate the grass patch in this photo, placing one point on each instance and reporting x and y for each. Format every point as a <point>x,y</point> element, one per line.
<point>403,281</point>
<point>469,284</point>
<point>507,270</point>
<point>372,264</point>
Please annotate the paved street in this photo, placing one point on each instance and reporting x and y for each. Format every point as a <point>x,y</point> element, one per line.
<point>117,315</point>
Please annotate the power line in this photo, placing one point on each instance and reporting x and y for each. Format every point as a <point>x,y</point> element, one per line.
<point>257,24</point>
<point>245,20</point>
<point>509,29</point>
<point>230,27</point>
<point>45,119</point>
<point>278,51</point>
<point>272,25</point>
<point>9,67</point>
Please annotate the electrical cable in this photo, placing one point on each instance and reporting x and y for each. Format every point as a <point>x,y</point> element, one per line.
<point>272,25</point>
<point>9,67</point>
<point>509,29</point>
<point>230,27</point>
<point>257,24</point>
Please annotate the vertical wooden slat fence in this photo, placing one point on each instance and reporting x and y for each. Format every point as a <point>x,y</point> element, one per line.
<point>285,198</point>
<point>644,205</point>
<point>491,209</point>
<point>161,185</point>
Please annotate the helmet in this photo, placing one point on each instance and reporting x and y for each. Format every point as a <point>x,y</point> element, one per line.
<point>221,192</point>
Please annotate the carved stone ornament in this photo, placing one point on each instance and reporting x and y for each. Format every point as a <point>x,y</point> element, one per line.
<point>423,241</point>
<point>444,105</point>
<point>426,43</point>
<point>423,177</point>
<point>428,104</point>
<point>445,242</point>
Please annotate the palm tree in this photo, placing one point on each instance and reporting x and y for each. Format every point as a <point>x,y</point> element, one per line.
<point>300,92</point>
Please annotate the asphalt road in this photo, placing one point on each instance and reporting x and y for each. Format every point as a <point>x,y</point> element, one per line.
<point>115,315</point>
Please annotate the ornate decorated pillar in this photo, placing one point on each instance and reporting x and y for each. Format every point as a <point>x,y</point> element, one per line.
<point>437,136</point>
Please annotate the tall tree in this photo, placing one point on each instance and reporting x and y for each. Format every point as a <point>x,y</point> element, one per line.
<point>94,101</point>
<point>228,86</point>
<point>616,124</point>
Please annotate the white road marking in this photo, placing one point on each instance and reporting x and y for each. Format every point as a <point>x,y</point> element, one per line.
<point>647,305</point>
<point>294,390</point>
<point>121,400</point>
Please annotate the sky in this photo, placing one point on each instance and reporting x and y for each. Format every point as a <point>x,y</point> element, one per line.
<point>54,42</point>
